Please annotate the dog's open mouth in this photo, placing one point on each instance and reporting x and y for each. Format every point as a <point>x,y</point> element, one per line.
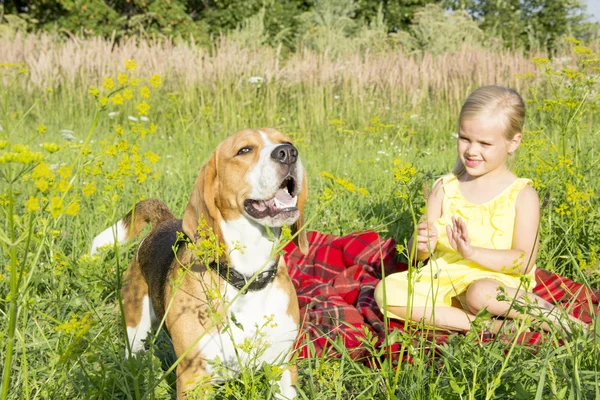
<point>284,201</point>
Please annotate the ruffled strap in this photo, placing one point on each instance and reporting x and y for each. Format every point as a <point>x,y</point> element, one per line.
<point>450,182</point>
<point>516,188</point>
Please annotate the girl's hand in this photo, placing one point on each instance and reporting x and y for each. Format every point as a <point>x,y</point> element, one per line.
<point>427,237</point>
<point>459,238</point>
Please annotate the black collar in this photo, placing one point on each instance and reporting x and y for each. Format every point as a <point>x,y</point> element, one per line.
<point>238,280</point>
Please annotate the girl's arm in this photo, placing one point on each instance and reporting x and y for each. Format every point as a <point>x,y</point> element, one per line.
<point>521,258</point>
<point>426,234</point>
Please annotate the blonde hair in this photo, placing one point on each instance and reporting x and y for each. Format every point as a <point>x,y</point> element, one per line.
<point>493,101</point>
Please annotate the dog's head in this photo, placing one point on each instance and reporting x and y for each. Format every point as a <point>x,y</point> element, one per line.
<point>253,173</point>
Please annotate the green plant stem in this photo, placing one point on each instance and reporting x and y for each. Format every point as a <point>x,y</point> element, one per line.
<point>13,308</point>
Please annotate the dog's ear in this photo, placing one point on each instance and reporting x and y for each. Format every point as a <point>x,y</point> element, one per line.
<point>300,239</point>
<point>202,203</point>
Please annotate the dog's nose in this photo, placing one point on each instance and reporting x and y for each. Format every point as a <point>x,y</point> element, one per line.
<point>285,154</point>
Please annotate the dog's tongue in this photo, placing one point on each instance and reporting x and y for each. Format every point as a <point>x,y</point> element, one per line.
<point>259,205</point>
<point>284,198</point>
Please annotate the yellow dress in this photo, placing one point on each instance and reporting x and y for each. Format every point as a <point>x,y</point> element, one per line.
<point>446,275</point>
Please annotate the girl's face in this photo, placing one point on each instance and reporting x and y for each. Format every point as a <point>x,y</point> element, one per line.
<point>482,146</point>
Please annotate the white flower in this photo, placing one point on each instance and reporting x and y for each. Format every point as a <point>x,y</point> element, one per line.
<point>67,135</point>
<point>256,79</point>
<point>134,119</point>
<point>454,135</point>
<point>144,118</point>
<point>414,116</point>
<point>113,114</point>
<point>336,97</point>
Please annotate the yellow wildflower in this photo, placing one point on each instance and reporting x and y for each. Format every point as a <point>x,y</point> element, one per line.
<point>403,172</point>
<point>33,204</point>
<point>42,185</point>
<point>63,186</point>
<point>540,60</point>
<point>143,108</point>
<point>42,170</point>
<point>108,83</point>
<point>155,81</point>
<point>134,81</point>
<point>119,129</point>
<point>349,186</point>
<point>56,206</point>
<point>122,146</point>
<point>41,129</point>
<point>89,189</point>
<point>19,148</point>
<point>583,50</point>
<point>21,155</point>
<point>145,92</point>
<point>73,208</point>
<point>152,157</point>
<point>111,151</point>
<point>65,172</point>
<point>50,147</point>
<point>94,91</point>
<point>128,94</point>
<point>76,327</point>
<point>117,99</point>
<point>327,194</point>
<point>130,65</point>
<point>122,78</point>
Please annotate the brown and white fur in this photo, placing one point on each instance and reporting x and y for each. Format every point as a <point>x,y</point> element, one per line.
<point>253,183</point>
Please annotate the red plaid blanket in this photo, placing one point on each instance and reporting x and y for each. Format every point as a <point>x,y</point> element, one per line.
<point>336,280</point>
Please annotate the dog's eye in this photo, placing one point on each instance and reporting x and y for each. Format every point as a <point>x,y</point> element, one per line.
<point>244,150</point>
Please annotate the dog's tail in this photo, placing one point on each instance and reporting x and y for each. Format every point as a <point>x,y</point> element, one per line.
<point>149,211</point>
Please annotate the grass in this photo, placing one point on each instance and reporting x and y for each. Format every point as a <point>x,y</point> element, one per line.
<point>365,120</point>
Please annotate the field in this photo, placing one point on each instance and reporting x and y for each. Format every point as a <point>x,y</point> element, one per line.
<point>90,127</point>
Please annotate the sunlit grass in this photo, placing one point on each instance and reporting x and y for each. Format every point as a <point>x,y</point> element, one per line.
<point>76,156</point>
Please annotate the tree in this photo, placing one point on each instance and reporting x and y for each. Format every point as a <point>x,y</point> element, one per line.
<point>525,23</point>
<point>398,14</point>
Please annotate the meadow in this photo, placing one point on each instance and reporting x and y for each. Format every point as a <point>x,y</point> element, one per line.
<point>88,127</point>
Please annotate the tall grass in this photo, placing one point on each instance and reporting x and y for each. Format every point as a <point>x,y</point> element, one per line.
<point>385,123</point>
<point>418,76</point>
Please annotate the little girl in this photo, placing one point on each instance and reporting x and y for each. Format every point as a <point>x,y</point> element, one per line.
<point>480,232</point>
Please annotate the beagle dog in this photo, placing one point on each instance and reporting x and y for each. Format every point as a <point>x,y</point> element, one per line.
<point>241,309</point>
